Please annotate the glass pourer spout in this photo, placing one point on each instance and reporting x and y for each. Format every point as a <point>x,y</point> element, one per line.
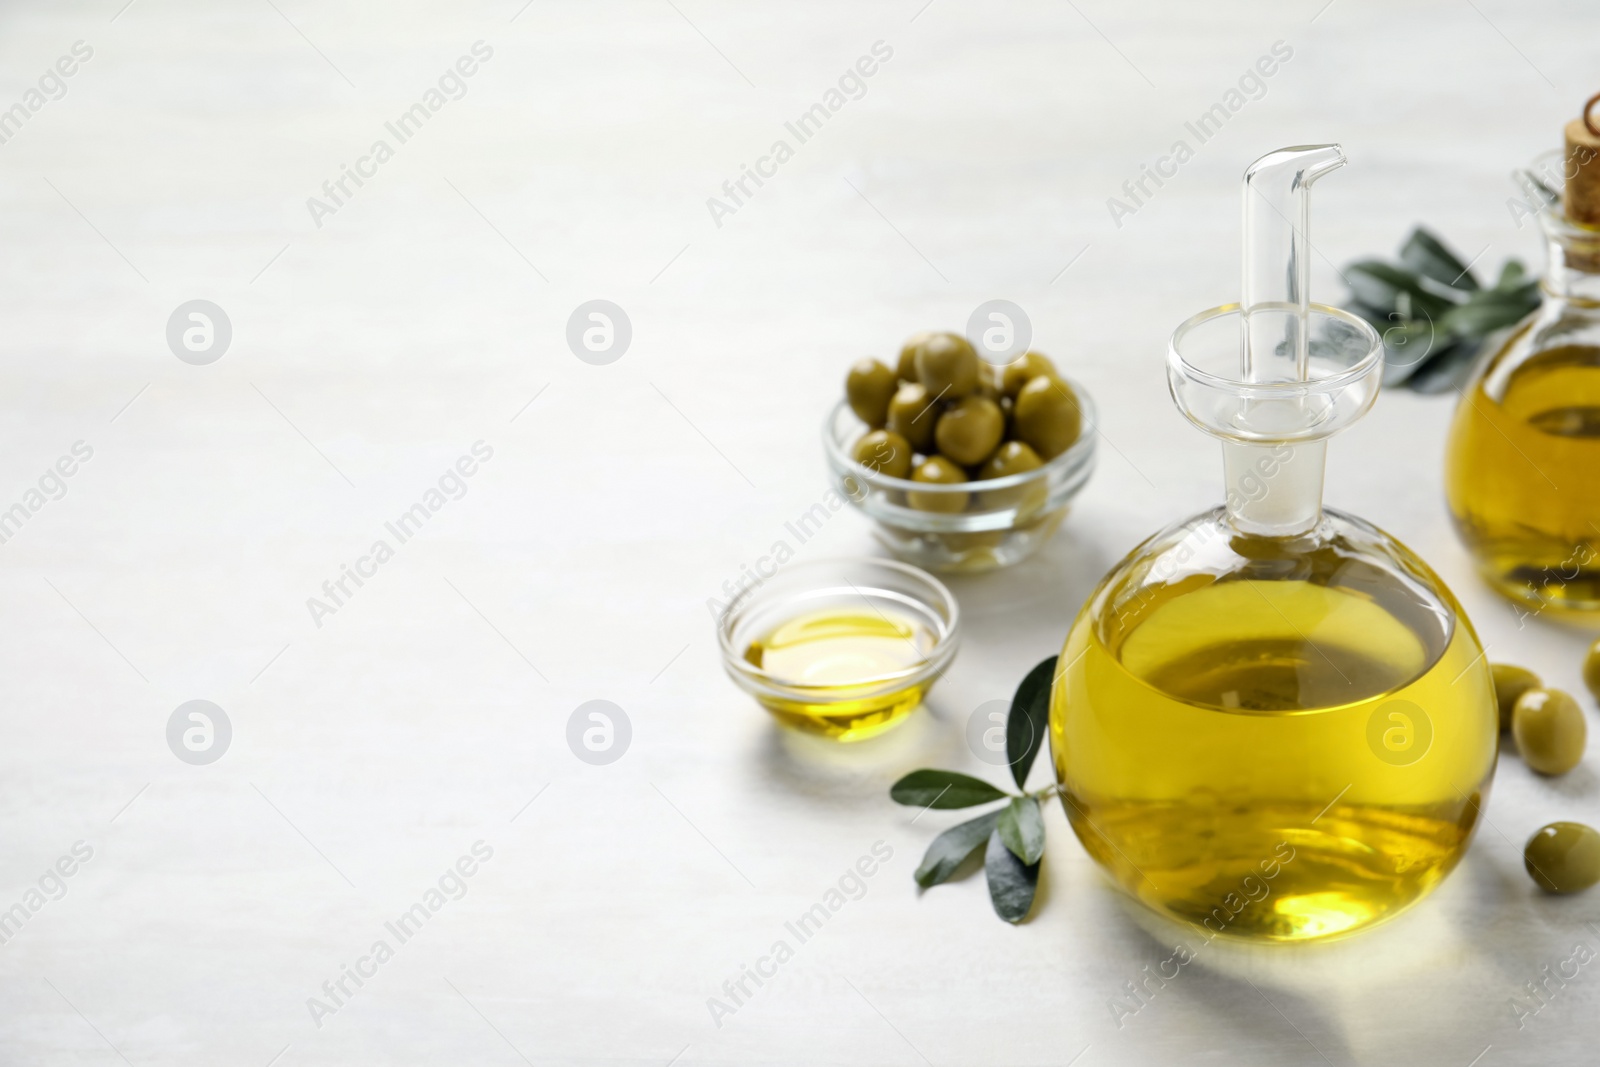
<point>1276,293</point>
<point>1275,375</point>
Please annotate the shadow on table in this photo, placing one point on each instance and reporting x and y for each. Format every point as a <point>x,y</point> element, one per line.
<point>825,770</point>
<point>1487,926</point>
<point>1232,986</point>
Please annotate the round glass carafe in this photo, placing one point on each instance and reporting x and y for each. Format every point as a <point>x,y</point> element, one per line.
<point>1272,720</point>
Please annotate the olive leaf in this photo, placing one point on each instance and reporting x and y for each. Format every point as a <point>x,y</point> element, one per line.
<point>951,849</point>
<point>1511,275</point>
<point>1491,309</point>
<point>1013,836</point>
<point>1433,313</point>
<point>1021,827</point>
<point>1012,883</point>
<point>1445,371</point>
<point>1030,716</point>
<point>1385,288</point>
<point>943,789</point>
<point>1427,255</point>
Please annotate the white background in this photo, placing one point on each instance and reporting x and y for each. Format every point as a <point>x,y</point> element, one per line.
<point>368,354</point>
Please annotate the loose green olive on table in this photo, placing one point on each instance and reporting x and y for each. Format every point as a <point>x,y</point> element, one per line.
<point>1510,683</point>
<point>960,419</point>
<point>1549,729</point>
<point>1563,857</point>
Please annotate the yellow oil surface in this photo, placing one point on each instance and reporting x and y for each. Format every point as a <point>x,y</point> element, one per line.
<point>1272,759</point>
<point>1523,477</point>
<point>844,662</point>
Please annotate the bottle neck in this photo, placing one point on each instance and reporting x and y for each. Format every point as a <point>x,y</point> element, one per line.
<point>1572,258</point>
<point>1274,490</point>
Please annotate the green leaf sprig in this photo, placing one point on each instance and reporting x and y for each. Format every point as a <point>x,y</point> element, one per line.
<point>1012,837</point>
<point>1432,311</point>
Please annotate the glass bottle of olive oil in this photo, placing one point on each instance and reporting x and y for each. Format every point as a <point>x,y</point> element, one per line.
<point>1523,461</point>
<point>1273,720</point>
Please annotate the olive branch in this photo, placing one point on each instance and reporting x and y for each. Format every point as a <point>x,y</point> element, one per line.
<point>1012,836</point>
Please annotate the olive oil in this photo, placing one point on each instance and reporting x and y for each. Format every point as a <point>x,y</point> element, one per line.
<point>841,662</point>
<point>1523,475</point>
<point>1271,720</point>
<point>1278,760</point>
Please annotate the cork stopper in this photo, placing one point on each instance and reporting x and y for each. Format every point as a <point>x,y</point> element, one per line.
<point>1582,168</point>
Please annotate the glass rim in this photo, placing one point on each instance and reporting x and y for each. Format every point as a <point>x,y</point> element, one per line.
<point>1078,453</point>
<point>1179,365</point>
<point>931,594</point>
<point>1549,208</point>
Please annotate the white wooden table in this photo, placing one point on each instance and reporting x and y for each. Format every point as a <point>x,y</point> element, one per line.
<point>376,741</point>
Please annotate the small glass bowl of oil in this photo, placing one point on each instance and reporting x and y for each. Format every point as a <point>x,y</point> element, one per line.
<point>845,648</point>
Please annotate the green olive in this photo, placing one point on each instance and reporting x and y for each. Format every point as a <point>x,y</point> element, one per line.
<point>1019,372</point>
<point>947,366</point>
<point>1549,729</point>
<point>1591,669</point>
<point>1013,457</point>
<point>969,430</point>
<point>976,546</point>
<point>938,471</point>
<point>868,387</point>
<point>1509,684</point>
<point>1563,857</point>
<point>906,367</point>
<point>912,415</point>
<point>885,452</point>
<point>1047,416</point>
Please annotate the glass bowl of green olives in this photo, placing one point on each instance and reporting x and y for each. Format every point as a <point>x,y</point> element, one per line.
<point>961,464</point>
